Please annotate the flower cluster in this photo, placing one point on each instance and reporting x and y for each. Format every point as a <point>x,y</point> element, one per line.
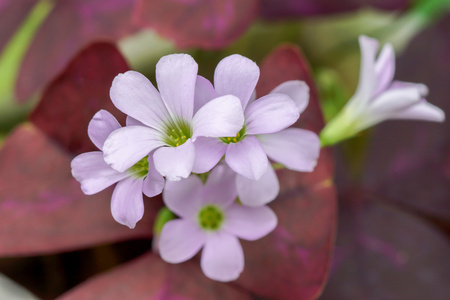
<point>208,148</point>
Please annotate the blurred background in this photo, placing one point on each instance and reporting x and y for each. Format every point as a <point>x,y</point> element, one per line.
<point>378,229</point>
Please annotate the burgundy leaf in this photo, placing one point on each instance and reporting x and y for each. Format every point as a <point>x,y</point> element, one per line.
<point>207,24</point>
<point>293,261</point>
<point>71,100</point>
<point>70,27</point>
<point>384,253</point>
<point>42,208</point>
<point>271,9</point>
<point>148,277</point>
<point>12,14</point>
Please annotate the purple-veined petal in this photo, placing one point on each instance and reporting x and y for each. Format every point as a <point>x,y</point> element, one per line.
<point>270,113</point>
<point>258,192</point>
<point>180,240</point>
<point>236,75</point>
<point>222,257</point>
<point>421,111</point>
<point>296,149</point>
<point>101,126</point>
<point>91,170</point>
<point>175,162</point>
<point>388,103</point>
<point>204,92</point>
<point>133,122</point>
<point>247,158</point>
<point>297,90</point>
<point>127,204</point>
<point>184,197</point>
<point>219,117</point>
<point>154,182</point>
<point>208,152</point>
<point>249,223</point>
<point>135,95</point>
<point>220,188</point>
<point>176,75</point>
<point>384,68</point>
<point>126,146</point>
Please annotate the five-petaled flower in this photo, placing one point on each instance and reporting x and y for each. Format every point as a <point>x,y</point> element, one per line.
<point>211,218</point>
<point>378,98</point>
<point>94,174</point>
<point>167,122</point>
<point>264,133</point>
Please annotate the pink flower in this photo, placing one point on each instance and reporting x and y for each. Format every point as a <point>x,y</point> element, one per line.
<point>264,134</point>
<point>166,123</point>
<point>94,174</point>
<point>211,218</point>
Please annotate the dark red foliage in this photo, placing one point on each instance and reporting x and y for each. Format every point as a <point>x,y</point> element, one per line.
<point>71,100</point>
<point>207,24</point>
<point>70,26</point>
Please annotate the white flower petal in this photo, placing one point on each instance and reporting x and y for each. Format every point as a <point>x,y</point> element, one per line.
<point>236,75</point>
<point>204,92</point>
<point>384,68</point>
<point>176,75</point>
<point>219,117</point>
<point>175,162</point>
<point>135,95</point>
<point>249,223</point>
<point>127,204</point>
<point>126,146</point>
<point>297,90</point>
<point>270,113</point>
<point>180,240</point>
<point>421,111</point>
<point>222,257</point>
<point>101,126</point>
<point>296,149</point>
<point>91,170</point>
<point>258,192</point>
<point>184,197</point>
<point>208,152</point>
<point>220,188</point>
<point>247,158</point>
<point>154,182</point>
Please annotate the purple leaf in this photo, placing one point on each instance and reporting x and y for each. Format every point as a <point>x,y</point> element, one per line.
<point>148,277</point>
<point>71,100</point>
<point>42,208</point>
<point>70,27</point>
<point>207,24</point>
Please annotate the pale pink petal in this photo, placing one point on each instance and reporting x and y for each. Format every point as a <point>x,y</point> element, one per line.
<point>135,95</point>
<point>222,257</point>
<point>247,158</point>
<point>180,240</point>
<point>297,90</point>
<point>219,117</point>
<point>184,197</point>
<point>91,170</point>
<point>154,182</point>
<point>388,103</point>
<point>422,88</point>
<point>204,92</point>
<point>126,146</point>
<point>236,75</point>
<point>296,149</point>
<point>208,152</point>
<point>176,75</point>
<point>220,188</point>
<point>101,126</point>
<point>258,192</point>
<point>270,113</point>
<point>175,163</point>
<point>133,122</point>
<point>384,68</point>
<point>127,204</point>
<point>250,223</point>
<point>421,111</point>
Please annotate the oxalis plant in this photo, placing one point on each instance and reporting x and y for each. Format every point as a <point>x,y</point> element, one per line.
<point>223,150</point>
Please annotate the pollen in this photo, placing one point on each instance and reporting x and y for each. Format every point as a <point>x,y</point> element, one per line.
<point>234,139</point>
<point>177,133</point>
<point>139,169</point>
